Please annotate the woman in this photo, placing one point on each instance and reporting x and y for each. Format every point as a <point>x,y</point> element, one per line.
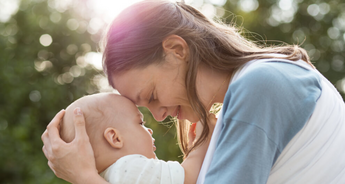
<point>279,114</point>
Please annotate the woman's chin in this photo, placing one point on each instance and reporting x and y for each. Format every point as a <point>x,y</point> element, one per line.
<point>187,115</point>
<point>192,119</point>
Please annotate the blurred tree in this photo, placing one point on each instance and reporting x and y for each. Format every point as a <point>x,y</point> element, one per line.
<point>317,26</point>
<point>39,75</point>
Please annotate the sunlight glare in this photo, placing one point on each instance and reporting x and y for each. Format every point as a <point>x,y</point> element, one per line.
<point>95,59</point>
<point>248,5</point>
<point>108,9</point>
<point>218,2</point>
<point>7,9</point>
<point>46,40</point>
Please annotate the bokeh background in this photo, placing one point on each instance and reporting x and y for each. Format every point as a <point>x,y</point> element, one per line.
<point>49,57</point>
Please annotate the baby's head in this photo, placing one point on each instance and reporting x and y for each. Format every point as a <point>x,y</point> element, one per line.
<point>114,126</point>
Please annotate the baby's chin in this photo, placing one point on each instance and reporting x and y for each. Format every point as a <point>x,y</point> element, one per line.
<point>155,157</point>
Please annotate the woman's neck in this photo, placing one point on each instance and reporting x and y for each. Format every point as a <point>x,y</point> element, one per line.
<point>212,85</point>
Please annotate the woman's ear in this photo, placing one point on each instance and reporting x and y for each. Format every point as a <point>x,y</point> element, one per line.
<point>113,137</point>
<point>176,45</point>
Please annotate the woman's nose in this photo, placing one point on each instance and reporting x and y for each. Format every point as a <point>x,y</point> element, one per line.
<point>159,113</point>
<point>159,117</point>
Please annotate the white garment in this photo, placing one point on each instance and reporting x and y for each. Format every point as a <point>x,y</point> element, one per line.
<point>137,169</point>
<point>317,149</point>
<point>316,154</point>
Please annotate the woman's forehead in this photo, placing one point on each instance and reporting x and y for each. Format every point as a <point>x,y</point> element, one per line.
<point>133,83</point>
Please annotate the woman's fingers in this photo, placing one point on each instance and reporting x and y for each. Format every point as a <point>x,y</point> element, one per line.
<point>69,160</point>
<point>45,140</point>
<point>45,151</point>
<point>51,167</point>
<point>54,127</point>
<point>51,134</point>
<point>55,122</point>
<point>79,124</point>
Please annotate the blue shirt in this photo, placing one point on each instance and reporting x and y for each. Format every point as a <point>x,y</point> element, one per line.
<point>262,111</point>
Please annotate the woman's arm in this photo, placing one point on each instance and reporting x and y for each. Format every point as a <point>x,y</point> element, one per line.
<point>192,164</point>
<point>74,161</point>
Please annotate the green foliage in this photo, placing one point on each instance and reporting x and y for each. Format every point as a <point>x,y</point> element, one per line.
<point>38,81</point>
<point>165,137</point>
<point>317,26</point>
<point>32,89</point>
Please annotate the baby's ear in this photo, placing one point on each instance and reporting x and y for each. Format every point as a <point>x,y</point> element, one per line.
<point>113,137</point>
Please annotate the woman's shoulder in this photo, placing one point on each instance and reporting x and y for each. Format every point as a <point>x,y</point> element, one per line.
<point>275,76</point>
<point>273,89</point>
<point>274,98</point>
<point>276,71</point>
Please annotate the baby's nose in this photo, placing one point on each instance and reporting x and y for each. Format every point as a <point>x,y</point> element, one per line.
<point>150,130</point>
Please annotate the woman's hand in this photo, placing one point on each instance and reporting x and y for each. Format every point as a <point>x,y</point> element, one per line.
<point>74,161</point>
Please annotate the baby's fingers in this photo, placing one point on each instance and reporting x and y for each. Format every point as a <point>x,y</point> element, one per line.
<point>191,134</point>
<point>213,120</point>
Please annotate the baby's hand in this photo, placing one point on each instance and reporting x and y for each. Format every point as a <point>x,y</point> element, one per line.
<point>192,134</point>
<point>196,129</point>
<point>212,122</point>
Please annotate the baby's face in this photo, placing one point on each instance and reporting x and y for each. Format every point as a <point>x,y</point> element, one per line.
<point>137,138</point>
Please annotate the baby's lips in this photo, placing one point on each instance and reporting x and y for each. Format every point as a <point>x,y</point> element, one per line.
<point>153,144</point>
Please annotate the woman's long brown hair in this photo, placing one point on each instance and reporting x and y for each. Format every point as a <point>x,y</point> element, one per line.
<point>134,40</point>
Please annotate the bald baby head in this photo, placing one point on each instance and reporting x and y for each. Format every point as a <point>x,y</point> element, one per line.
<point>100,111</point>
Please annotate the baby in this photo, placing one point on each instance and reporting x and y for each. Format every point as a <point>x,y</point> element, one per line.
<point>123,147</point>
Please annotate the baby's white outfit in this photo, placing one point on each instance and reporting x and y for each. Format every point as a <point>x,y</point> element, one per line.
<point>137,169</point>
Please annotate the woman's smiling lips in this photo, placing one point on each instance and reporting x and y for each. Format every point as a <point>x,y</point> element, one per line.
<point>177,111</point>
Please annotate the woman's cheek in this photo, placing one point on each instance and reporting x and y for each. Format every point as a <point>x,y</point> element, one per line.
<point>189,114</point>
